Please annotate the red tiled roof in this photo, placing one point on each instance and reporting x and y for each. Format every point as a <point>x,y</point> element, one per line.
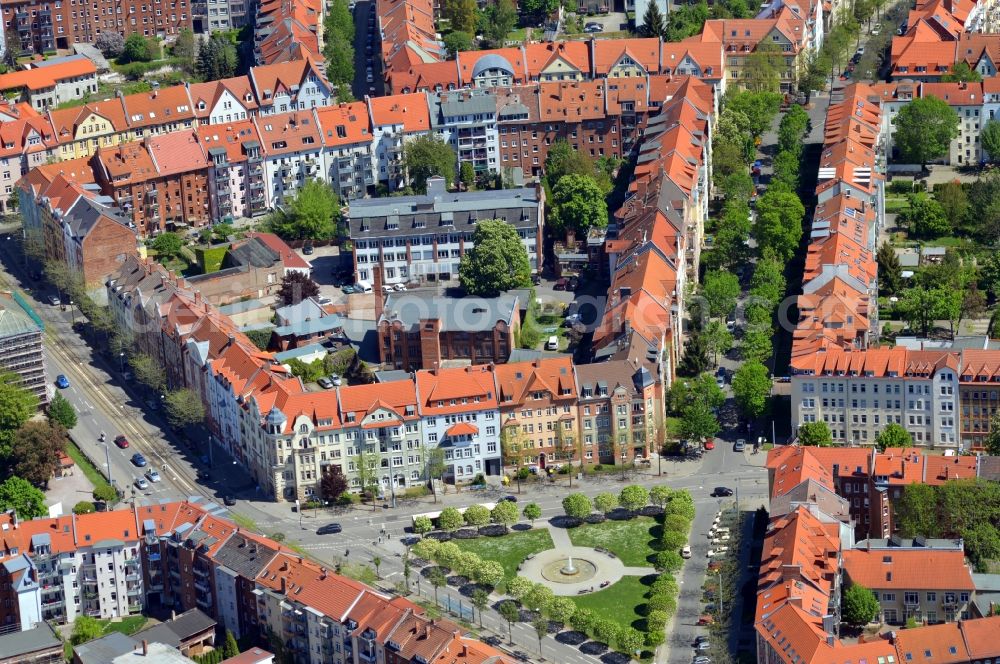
<point>409,110</point>
<point>177,152</point>
<point>39,78</point>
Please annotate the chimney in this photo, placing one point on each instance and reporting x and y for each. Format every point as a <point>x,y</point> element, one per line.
<point>427,630</point>
<point>465,650</point>
<point>145,648</point>
<point>197,297</point>
<point>322,575</point>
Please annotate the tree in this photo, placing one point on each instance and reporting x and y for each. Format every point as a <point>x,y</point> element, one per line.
<point>437,580</point>
<point>504,513</point>
<point>859,605</point>
<point>685,392</point>
<point>509,612</point>
<point>539,8</point>
<point>462,14</point>
<point>630,642</point>
<point>669,561</point>
<point>577,506</point>
<point>105,493</point>
<point>518,587</point>
<point>83,507</point>
<point>217,58</point>
<point>606,630</point>
<point>167,245</point>
<point>633,498</point>
<point>578,204</point>
<point>605,502</point>
<point>752,387</point>
<point>815,434</point>
<point>85,628</point>
<point>457,41</point>
<point>920,307</point>
<point>893,435</point>
<point>762,72</point>
<point>982,545</point>
<point>698,422</point>
<point>230,648</point>
<point>295,287</point>
<point>501,17</point>
<point>339,20</point>
<point>497,261</point>
<point>563,159</point>
<point>924,130</point>
<point>17,405</point>
<point>489,573</point>
<point>718,339</point>
<point>333,485</point>
<point>992,442</point>
<point>61,412</point>
<point>480,600</point>
<point>961,72</point>
<point>137,49</point>
<point>925,217</point>
<point>110,44</point>
<point>427,156</point>
<point>541,627</point>
<point>990,138</point>
<point>695,358</point>
<point>721,290</point>
<point>450,519</point>
<point>19,495</point>
<point>422,525</point>
<point>467,175</point>
<point>954,202</point>
<point>477,515</point>
<point>531,512</point>
<point>758,107</point>
<point>890,272</point>
<point>34,454</point>
<point>538,598</point>
<point>660,495</point>
<point>779,222</point>
<point>339,52</point>
<point>185,49</point>
<point>308,215</point>
<point>653,24</point>
<point>435,466</point>
<point>184,407</point>
<point>377,563</point>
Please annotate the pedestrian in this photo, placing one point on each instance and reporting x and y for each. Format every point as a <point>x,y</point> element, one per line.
<point>347,553</point>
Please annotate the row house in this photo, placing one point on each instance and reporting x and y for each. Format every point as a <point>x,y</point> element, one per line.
<point>235,169</point>
<point>423,238</point>
<point>617,412</point>
<point>296,85</point>
<point>45,28</point>
<point>815,547</point>
<point>223,101</point>
<point>939,34</point>
<point>52,82</point>
<point>560,61</point>
<point>285,30</point>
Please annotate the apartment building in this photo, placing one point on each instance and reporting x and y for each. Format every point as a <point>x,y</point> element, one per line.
<point>617,413</point>
<point>537,410</point>
<point>292,146</point>
<point>467,121</point>
<point>236,186</point>
<point>284,30</point>
<point>161,182</point>
<point>423,330</point>
<point>222,101</point>
<point>44,28</point>
<point>394,120</point>
<point>22,352</point>
<point>423,238</point>
<point>810,555</point>
<point>460,413</point>
<point>348,155</point>
<point>51,82</point>
<point>295,85</point>
<point>27,142</point>
<point>898,576</point>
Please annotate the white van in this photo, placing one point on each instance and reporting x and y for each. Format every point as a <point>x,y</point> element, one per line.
<point>552,343</point>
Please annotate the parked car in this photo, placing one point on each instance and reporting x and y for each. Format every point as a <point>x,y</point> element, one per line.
<point>709,444</point>
<point>686,551</point>
<point>720,381</point>
<point>325,383</point>
<point>138,460</point>
<point>701,659</point>
<point>593,27</point>
<point>740,445</point>
<point>228,501</point>
<point>152,475</point>
<point>703,645</point>
<point>336,380</point>
<point>400,288</point>
<point>121,441</point>
<point>54,300</point>
<point>552,343</point>
<point>329,529</point>
<point>347,289</point>
<point>721,492</point>
<point>140,483</point>
<point>62,382</point>
<point>308,250</point>
<point>510,498</point>
<point>706,620</point>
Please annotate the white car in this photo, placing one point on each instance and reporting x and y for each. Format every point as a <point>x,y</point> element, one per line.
<point>141,484</point>
<point>152,475</point>
<point>400,287</point>
<point>718,551</point>
<point>686,551</point>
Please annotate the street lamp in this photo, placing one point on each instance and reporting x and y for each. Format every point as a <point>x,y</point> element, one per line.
<point>107,460</point>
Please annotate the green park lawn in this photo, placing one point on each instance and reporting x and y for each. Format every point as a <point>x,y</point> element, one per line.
<point>631,540</point>
<point>509,550</point>
<point>620,602</point>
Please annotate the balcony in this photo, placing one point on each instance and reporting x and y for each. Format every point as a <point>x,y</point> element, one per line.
<point>366,657</point>
<point>53,603</point>
<point>200,571</point>
<point>134,608</point>
<point>153,556</point>
<point>202,586</point>
<point>203,601</point>
<point>133,590</point>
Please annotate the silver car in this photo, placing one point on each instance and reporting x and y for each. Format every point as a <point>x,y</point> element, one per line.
<point>141,483</point>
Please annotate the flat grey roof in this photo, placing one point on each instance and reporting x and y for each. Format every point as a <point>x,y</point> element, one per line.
<point>464,314</point>
<point>29,641</point>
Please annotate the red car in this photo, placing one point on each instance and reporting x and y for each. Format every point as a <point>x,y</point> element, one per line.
<point>709,444</point>
<point>121,441</point>
<point>706,620</point>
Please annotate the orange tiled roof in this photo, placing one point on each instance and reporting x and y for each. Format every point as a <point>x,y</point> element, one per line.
<point>516,380</point>
<point>231,136</point>
<point>177,152</point>
<point>456,390</point>
<point>344,124</point>
<point>539,55</point>
<point>40,78</point>
<point>409,110</point>
<point>644,51</point>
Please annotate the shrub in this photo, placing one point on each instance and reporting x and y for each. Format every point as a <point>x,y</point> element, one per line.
<point>672,541</point>
<point>518,587</point>
<point>665,583</point>
<point>583,620</point>
<point>662,602</point>
<point>655,638</point>
<point>656,620</point>
<point>676,523</point>
<point>669,561</point>
<point>83,507</point>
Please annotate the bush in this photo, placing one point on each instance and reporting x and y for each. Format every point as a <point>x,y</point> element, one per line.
<point>672,541</point>
<point>669,561</point>
<point>105,493</point>
<point>662,602</point>
<point>83,507</point>
<point>664,583</point>
<point>656,620</point>
<point>655,638</point>
<point>901,186</point>
<point>676,523</point>
<point>583,620</point>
